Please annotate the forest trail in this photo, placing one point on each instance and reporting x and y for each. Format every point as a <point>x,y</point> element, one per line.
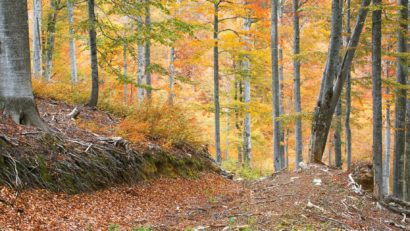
<point>284,201</point>
<point>287,201</point>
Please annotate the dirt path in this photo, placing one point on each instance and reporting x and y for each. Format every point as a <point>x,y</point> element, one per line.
<point>287,201</point>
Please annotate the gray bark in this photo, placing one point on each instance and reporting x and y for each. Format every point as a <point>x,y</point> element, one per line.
<point>16,95</point>
<point>277,155</point>
<point>171,77</point>
<point>140,61</point>
<point>400,106</point>
<point>281,107</point>
<point>387,142</point>
<point>329,96</point>
<point>125,71</point>
<point>247,145</point>
<point>296,84</point>
<point>73,58</point>
<point>216,84</point>
<point>348,131</point>
<point>148,49</point>
<point>238,99</point>
<point>51,30</point>
<point>406,174</point>
<point>377,99</point>
<point>338,136</point>
<point>93,50</point>
<point>37,12</point>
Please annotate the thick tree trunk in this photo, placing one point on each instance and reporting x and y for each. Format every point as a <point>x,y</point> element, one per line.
<point>140,61</point>
<point>125,71</point>
<point>37,12</point>
<point>93,50</point>
<point>387,142</point>
<point>247,145</point>
<point>148,50</point>
<point>51,30</point>
<point>406,175</point>
<point>400,106</point>
<point>238,99</point>
<point>216,84</point>
<point>277,155</point>
<point>329,95</point>
<point>16,95</point>
<point>338,135</point>
<point>73,58</point>
<point>296,84</point>
<point>377,99</point>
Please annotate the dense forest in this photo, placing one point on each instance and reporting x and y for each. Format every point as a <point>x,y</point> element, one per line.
<point>100,93</point>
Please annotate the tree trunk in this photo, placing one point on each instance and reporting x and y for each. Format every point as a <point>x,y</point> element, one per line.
<point>330,148</point>
<point>73,58</point>
<point>296,85</point>
<point>238,99</point>
<point>387,141</point>
<point>148,49</point>
<point>406,175</point>
<point>216,84</point>
<point>125,71</point>
<point>277,155</point>
<point>400,105</point>
<point>93,49</point>
<point>171,76</point>
<point>330,93</point>
<point>37,12</point>
<point>377,98</point>
<point>247,145</point>
<point>281,106</point>
<point>140,60</point>
<point>16,95</point>
<point>51,30</point>
<point>338,136</point>
<point>348,131</point>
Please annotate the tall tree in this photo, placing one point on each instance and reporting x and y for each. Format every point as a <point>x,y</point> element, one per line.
<point>125,70</point>
<point>148,49</point>
<point>16,95</point>
<point>140,59</point>
<point>247,146</point>
<point>51,30</point>
<point>277,154</point>
<point>330,92</point>
<point>216,82</point>
<point>387,140</point>
<point>171,77</point>
<point>377,97</point>
<point>400,104</point>
<point>338,135</point>
<point>37,12</point>
<point>73,58</point>
<point>296,84</point>
<point>348,131</point>
<point>93,50</point>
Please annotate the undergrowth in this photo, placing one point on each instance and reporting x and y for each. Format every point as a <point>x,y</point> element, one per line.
<point>244,171</point>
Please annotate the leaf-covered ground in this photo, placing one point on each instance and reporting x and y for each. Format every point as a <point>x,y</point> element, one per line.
<point>287,201</point>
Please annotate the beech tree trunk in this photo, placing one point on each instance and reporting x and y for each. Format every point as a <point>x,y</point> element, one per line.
<point>171,77</point>
<point>125,71</point>
<point>338,136</point>
<point>330,93</point>
<point>404,33</point>
<point>37,12</point>
<point>247,145</point>
<point>140,60</point>
<point>377,98</point>
<point>148,50</point>
<point>387,142</point>
<point>400,105</point>
<point>73,58</point>
<point>238,99</point>
<point>216,84</point>
<point>277,155</point>
<point>348,131</point>
<point>51,30</point>
<point>16,95</point>
<point>93,49</point>
<point>296,84</point>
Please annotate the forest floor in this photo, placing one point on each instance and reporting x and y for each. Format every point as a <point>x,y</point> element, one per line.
<point>317,198</point>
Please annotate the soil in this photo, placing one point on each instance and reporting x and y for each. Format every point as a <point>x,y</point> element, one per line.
<point>317,198</point>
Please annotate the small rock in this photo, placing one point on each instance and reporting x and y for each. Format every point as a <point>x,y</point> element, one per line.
<point>317,182</point>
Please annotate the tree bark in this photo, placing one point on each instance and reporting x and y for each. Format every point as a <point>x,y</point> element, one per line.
<point>296,85</point>
<point>16,95</point>
<point>216,84</point>
<point>125,71</point>
<point>51,30</point>
<point>400,105</point>
<point>247,145</point>
<point>140,60</point>
<point>387,141</point>
<point>37,12</point>
<point>171,77</point>
<point>73,58</point>
<point>238,99</point>
<point>330,94</point>
<point>348,131</point>
<point>377,99</point>
<point>148,50</point>
<point>93,50</point>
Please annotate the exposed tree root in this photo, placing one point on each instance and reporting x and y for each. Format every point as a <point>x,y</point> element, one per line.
<point>396,205</point>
